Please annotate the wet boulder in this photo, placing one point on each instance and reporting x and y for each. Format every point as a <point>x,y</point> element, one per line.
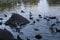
<point>15,20</point>
<point>5,35</point>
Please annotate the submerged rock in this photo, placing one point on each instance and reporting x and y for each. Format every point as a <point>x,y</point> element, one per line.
<point>15,20</point>
<point>5,35</point>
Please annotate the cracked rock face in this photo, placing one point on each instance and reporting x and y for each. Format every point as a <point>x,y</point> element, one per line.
<point>15,20</point>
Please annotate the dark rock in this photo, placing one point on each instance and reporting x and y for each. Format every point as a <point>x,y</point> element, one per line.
<point>31,18</point>
<point>57,30</point>
<point>53,24</point>
<point>40,16</point>
<point>18,30</point>
<point>16,18</point>
<point>38,20</point>
<point>58,21</point>
<point>0,23</point>
<point>5,15</point>
<point>51,28</point>
<point>22,11</point>
<point>52,17</point>
<point>1,18</point>
<point>5,35</point>
<point>34,22</point>
<point>10,23</point>
<point>18,38</point>
<point>38,36</point>
<point>36,29</point>
<point>48,19</point>
<point>44,17</point>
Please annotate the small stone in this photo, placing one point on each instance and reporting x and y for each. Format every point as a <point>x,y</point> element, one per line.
<point>36,29</point>
<point>22,11</point>
<point>44,18</point>
<point>39,15</point>
<point>18,30</point>
<point>34,22</point>
<point>31,18</point>
<point>0,23</point>
<point>18,38</point>
<point>37,19</point>
<point>38,36</point>
<point>5,15</point>
<point>1,18</point>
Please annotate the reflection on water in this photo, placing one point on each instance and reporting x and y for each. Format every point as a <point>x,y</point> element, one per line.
<point>54,2</point>
<point>31,2</point>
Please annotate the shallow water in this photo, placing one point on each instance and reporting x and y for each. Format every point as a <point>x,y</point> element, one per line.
<point>42,8</point>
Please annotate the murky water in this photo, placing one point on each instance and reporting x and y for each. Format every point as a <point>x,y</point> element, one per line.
<point>42,8</point>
